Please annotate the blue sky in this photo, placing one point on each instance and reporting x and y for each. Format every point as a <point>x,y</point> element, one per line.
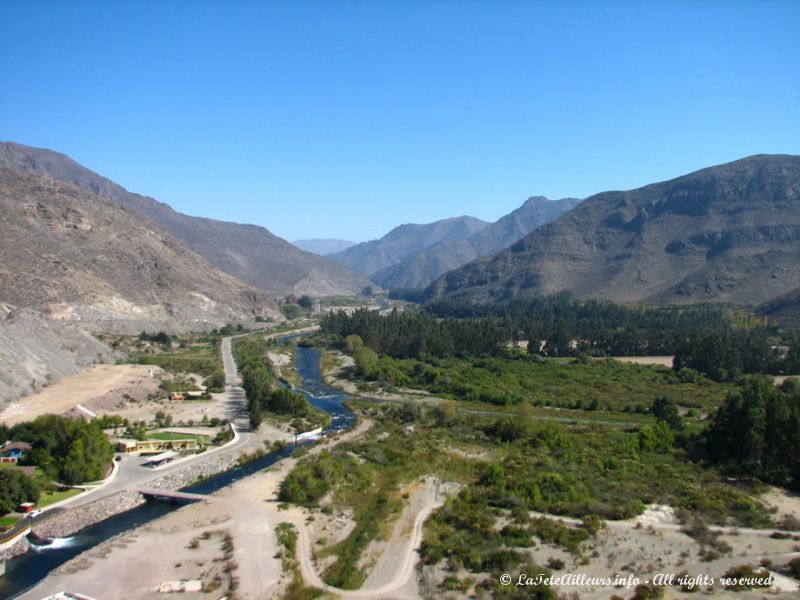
<point>344,119</point>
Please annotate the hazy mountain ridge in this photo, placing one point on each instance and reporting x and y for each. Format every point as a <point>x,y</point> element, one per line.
<point>324,246</point>
<point>423,267</point>
<point>76,256</point>
<point>729,233</point>
<point>401,242</point>
<point>248,252</point>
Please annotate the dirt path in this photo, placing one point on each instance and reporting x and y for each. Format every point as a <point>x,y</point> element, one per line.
<point>660,361</point>
<point>393,574</point>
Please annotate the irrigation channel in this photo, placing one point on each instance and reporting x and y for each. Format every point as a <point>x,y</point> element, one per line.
<point>25,571</point>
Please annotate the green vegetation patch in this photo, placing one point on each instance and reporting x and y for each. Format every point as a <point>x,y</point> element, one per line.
<point>68,450</point>
<point>57,495</point>
<point>6,522</point>
<point>188,353</point>
<point>507,467</point>
<point>587,385</point>
<point>287,538</point>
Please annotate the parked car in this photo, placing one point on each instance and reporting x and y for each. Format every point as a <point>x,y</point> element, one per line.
<point>35,513</point>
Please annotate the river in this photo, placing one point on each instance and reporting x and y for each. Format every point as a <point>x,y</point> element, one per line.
<point>25,571</point>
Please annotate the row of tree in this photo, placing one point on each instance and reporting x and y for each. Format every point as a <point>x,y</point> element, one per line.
<point>259,384</point>
<point>412,334</point>
<point>720,343</point>
<point>756,433</point>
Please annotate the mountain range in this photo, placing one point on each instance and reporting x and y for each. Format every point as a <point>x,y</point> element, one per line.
<point>323,247</point>
<point>401,242</point>
<point>248,252</point>
<point>729,233</point>
<point>421,268</point>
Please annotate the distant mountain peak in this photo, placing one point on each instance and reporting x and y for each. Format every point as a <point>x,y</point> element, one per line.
<point>422,267</point>
<point>402,241</point>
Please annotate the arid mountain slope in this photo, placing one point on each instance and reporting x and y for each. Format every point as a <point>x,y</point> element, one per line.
<point>401,242</point>
<point>421,268</point>
<point>248,252</point>
<point>77,256</point>
<point>729,233</point>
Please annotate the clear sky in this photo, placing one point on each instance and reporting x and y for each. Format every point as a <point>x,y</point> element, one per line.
<point>344,119</point>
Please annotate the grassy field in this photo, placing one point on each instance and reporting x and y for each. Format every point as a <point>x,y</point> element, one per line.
<point>170,435</point>
<point>38,470</point>
<point>8,521</point>
<point>48,498</point>
<point>189,353</point>
<point>204,359</point>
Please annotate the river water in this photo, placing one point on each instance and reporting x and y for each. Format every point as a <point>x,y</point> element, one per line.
<point>26,570</point>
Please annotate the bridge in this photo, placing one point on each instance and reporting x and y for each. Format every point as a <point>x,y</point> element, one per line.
<point>171,496</point>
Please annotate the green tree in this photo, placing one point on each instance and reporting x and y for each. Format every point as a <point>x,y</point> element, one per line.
<point>756,432</point>
<point>352,343</point>
<point>68,450</point>
<point>665,410</point>
<point>366,361</point>
<point>15,488</point>
<point>215,381</point>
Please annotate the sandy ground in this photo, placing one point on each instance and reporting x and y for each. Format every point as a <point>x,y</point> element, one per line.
<point>82,388</point>
<point>653,544</point>
<point>279,359</point>
<point>784,503</point>
<point>135,566</point>
<point>661,361</point>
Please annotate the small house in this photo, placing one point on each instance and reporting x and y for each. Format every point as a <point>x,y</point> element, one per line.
<point>12,452</point>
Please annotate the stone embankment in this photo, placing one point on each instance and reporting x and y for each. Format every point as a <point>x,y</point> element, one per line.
<point>69,521</point>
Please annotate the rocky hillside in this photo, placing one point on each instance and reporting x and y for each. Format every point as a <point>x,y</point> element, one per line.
<point>401,242</point>
<point>76,256</point>
<point>248,252</point>
<point>729,233</point>
<point>421,268</point>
